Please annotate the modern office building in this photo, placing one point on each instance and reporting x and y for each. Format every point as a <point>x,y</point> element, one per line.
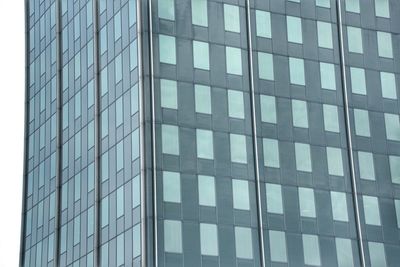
<point>212,133</point>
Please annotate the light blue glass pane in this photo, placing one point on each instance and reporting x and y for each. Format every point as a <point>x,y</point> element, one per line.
<point>335,161</point>
<point>90,170</point>
<point>104,255</point>
<point>324,34</point>
<point>388,85</point>
<point>263,24</point>
<point>361,121</point>
<point>377,254</point>
<point>397,208</point>
<point>202,98</point>
<point>353,6</point>
<point>339,206</point>
<point>354,40</point>
<point>136,240</point>
<point>136,191</point>
<point>135,144</point>
<point>172,187</point>
<point>166,9</point>
<point>134,99</point>
<point>366,165</point>
<point>201,55</point>
<point>240,190</point>
<point>77,229</point>
<point>265,66</point>
<point>102,5</point>
<point>104,212</point>
<point>90,92</point>
<point>39,254</point>
<point>119,109</point>
<point>133,54</point>
<point>307,202</point>
<point>238,148</point>
<point>78,105</point>
<point>205,145</point>
<point>274,198</point>
<point>89,13</point>
<point>172,236</point>
<point>277,246</point>
<point>382,8</point>
<point>331,119</point>
<point>243,243</point>
<point>64,196</point>
<point>271,153</point>
<point>52,205</point>
<point>385,44</point>
<point>170,139</point>
<point>120,250</point>
<point>63,239</point>
<point>103,40</point>
<point>199,13</point>
<point>358,85</point>
<point>300,114</point>
<point>268,108</point>
<point>294,31</point>
<point>206,190</point>
<point>167,49</point>
<point>394,162</point>
<point>90,221</point>
<point>120,201</point>
<point>169,94</point>
<point>235,104</point>
<point>65,77</point>
<point>132,12</point>
<point>323,3</point>
<point>117,26</point>
<point>50,251</point>
<point>371,210</point>
<point>311,250</point>
<point>77,27</point>
<point>344,252</point>
<point>104,123</point>
<point>231,18</point>
<point>303,157</point>
<point>233,60</point>
<point>77,187</point>
<point>296,67</point>
<point>118,69</point>
<point>104,167</point>
<point>120,155</point>
<point>209,239</point>
<point>104,81</point>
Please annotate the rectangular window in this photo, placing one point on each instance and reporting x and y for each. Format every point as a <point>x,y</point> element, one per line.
<point>172,236</point>
<point>392,124</point>
<point>361,122</point>
<point>119,112</point>
<point>300,114</point>
<point>271,153</point>
<point>354,40</point>
<point>77,66</point>
<point>331,120</point>
<point>307,202</point>
<point>274,198</point>
<point>172,187</point>
<point>103,40</point>
<point>135,144</point>
<point>243,243</point>
<point>366,165</point>
<point>377,254</point>
<point>50,250</point>
<point>323,3</point>
<point>167,48</point>
<point>169,94</point>
<point>120,155</point>
<point>277,246</point>
<point>104,81</point>
<point>344,252</point>
<point>104,250</point>
<point>77,229</point>
<point>199,13</point>
<point>353,6</point>
<point>120,201</point>
<point>202,99</point>
<point>209,239</point>
<point>133,55</point>
<point>303,157</point>
<point>371,210</point>
<point>324,35</point>
<point>77,187</point>
<point>241,200</point>
<point>394,162</point>
<point>136,191</point>
<point>235,104</point>
<point>104,212</point>
<point>238,148</point>
<point>296,71</point>
<point>90,221</point>
<point>104,167</point>
<point>382,8</point>
<point>335,161</point>
<point>268,108</point>
<point>134,99</point>
<point>265,66</point>
<point>397,207</point>
<point>339,206</point>
<point>263,24</point>
<point>117,26</point>
<point>206,190</point>
<point>118,69</point>
<point>205,144</point>
<point>233,60</point>
<point>328,78</point>
<point>120,249</point>
<point>231,18</point>
<point>385,44</point>
<point>357,76</point>
<point>294,31</point>
<point>311,250</point>
<point>170,139</point>
<point>166,9</point>
<point>388,85</point>
<point>201,58</point>
<point>136,240</point>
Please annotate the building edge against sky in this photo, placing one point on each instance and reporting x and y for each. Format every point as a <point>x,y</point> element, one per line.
<point>212,133</point>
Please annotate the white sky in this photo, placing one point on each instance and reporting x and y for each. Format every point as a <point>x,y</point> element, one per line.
<point>12,94</point>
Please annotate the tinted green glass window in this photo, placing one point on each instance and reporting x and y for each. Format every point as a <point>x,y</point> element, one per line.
<point>170,139</point>
<point>300,114</point>
<point>209,239</point>
<point>172,187</point>
<point>201,55</point>
<point>353,6</point>
<point>231,18</point>
<point>277,246</point>
<point>268,108</point>
<point>361,121</point>
<point>206,190</point>
<point>358,85</point>
<point>265,66</point>
<point>294,31</point>
<point>199,13</point>
<point>296,68</point>
<point>166,9</point>
<point>335,161</point>
<point>339,206</point>
<point>263,24</point>
<point>169,95</point>
<point>323,3</point>
<point>382,8</point>
<point>235,104</point>
<point>331,120</point>
<point>243,243</point>
<point>167,49</point>
<point>394,162</point>
<point>377,254</point>
<point>388,85</point>
<point>172,236</point>
<point>366,165</point>
<point>303,157</point>
<point>274,198</point>
<point>371,210</point>
<point>271,153</point>
<point>307,202</point>
<point>344,252</point>
<point>205,144</point>
<point>233,60</point>
<point>397,207</point>
<point>354,40</point>
<point>238,148</point>
<point>385,44</point>
<point>311,250</point>
<point>240,190</point>
<point>324,34</point>
<point>120,201</point>
<point>202,99</point>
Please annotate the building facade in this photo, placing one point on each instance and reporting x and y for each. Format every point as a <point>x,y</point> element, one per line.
<point>212,133</point>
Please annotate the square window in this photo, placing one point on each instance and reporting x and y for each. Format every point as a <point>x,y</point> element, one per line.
<point>199,13</point>
<point>328,77</point>
<point>166,9</point>
<point>277,246</point>
<point>382,8</point>
<point>353,6</point>
<point>388,85</point>
<point>206,190</point>
<point>209,239</point>
<point>311,250</point>
<point>361,121</point>
<point>377,254</point>
<point>323,3</point>
<point>335,161</point>
<point>344,252</point>
<point>394,162</point>
<point>243,243</point>
<point>202,99</point>
<point>170,139</point>
<point>331,120</point>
